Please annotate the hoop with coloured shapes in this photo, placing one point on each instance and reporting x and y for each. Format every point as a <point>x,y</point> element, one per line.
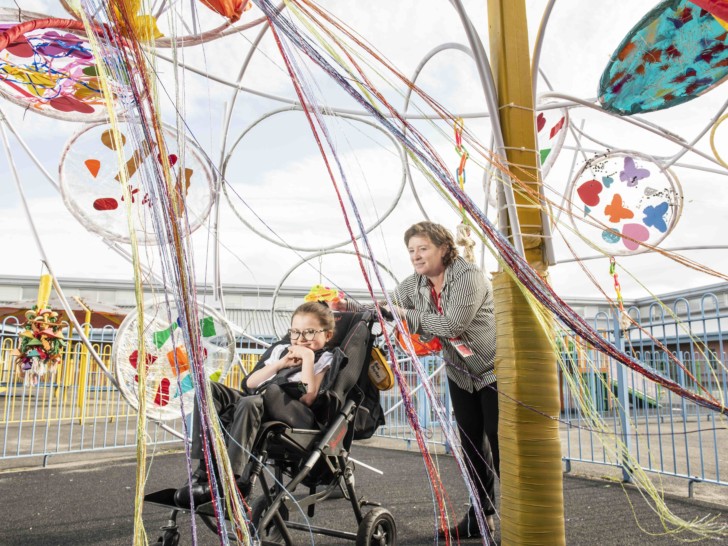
<point>91,182</point>
<point>169,384</point>
<point>624,202</point>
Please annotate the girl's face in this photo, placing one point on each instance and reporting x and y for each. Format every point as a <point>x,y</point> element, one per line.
<point>310,332</point>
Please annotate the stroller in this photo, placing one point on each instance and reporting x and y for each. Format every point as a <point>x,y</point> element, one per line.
<point>316,459</point>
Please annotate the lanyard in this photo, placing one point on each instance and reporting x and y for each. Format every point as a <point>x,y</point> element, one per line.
<point>436,298</point>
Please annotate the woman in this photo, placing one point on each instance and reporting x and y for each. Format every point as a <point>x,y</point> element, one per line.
<point>450,298</point>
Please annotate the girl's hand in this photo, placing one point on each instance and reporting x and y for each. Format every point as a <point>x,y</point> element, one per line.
<point>299,352</point>
<point>308,398</point>
<point>288,361</point>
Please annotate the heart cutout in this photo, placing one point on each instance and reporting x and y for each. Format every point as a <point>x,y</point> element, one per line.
<point>589,192</point>
<point>540,122</point>
<point>637,234</point>
<point>172,158</point>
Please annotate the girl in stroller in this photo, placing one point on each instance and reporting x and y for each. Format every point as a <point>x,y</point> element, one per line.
<point>283,386</point>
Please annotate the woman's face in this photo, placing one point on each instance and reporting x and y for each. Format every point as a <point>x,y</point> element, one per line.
<point>312,331</point>
<point>425,256</point>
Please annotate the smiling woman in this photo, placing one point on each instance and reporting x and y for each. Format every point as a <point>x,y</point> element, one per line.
<point>450,299</point>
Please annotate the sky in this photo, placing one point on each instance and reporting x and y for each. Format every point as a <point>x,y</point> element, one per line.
<point>278,193</point>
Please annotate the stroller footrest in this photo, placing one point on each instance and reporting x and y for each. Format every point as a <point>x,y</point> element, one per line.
<point>165,497</point>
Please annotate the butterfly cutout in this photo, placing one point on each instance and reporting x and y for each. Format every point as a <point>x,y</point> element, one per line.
<point>655,216</point>
<point>631,173</point>
<point>607,181</point>
<point>616,211</point>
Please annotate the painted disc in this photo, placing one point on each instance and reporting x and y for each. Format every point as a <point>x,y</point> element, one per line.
<point>621,201</point>
<point>180,23</point>
<point>90,182</point>
<point>551,127</point>
<point>54,73</point>
<point>169,386</point>
<point>677,52</point>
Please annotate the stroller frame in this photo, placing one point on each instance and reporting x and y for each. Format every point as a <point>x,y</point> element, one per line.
<point>311,458</point>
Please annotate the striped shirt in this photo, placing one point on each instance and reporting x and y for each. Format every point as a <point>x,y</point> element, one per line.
<point>467,314</point>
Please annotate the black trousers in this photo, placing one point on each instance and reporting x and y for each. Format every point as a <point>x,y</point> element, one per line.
<point>476,414</point>
<point>241,416</point>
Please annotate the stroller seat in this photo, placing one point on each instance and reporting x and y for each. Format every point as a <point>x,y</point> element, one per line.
<point>316,458</point>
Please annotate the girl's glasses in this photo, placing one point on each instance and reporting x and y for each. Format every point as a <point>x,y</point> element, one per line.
<point>308,334</point>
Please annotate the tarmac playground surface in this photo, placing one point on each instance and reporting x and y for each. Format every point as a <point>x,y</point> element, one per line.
<point>92,502</point>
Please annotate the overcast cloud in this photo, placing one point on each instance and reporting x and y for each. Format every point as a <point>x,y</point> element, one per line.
<point>278,183</point>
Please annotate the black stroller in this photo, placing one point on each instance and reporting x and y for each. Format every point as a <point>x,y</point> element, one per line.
<point>316,459</point>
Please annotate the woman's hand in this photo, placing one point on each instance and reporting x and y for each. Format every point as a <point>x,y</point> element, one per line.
<point>394,310</point>
<point>338,305</point>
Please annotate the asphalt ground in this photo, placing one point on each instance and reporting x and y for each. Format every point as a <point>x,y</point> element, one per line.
<point>93,503</point>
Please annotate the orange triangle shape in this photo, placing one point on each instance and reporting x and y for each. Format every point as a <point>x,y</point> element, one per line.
<point>93,166</point>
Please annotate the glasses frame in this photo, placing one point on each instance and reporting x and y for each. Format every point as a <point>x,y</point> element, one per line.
<point>300,333</point>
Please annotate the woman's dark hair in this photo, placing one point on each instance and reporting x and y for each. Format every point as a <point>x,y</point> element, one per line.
<point>439,235</point>
<point>320,310</point>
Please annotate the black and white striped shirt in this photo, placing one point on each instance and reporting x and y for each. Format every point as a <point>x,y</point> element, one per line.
<point>467,313</point>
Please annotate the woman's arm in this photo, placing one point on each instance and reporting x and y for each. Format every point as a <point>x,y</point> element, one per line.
<point>402,297</point>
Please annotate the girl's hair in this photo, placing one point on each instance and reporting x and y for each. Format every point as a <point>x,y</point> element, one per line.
<point>320,310</point>
<point>439,235</point>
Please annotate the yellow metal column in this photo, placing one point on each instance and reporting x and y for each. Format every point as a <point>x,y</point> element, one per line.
<point>532,506</point>
<point>44,291</point>
<point>83,370</point>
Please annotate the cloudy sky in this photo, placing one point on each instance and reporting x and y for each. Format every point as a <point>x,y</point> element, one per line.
<point>278,190</point>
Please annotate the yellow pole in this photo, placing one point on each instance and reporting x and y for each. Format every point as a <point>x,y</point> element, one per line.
<point>44,291</point>
<point>532,506</point>
<point>83,370</point>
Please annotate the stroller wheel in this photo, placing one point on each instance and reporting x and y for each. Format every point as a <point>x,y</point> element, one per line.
<point>169,538</point>
<point>377,529</point>
<point>271,534</point>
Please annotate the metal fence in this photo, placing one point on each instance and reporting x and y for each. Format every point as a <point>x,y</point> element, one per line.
<point>80,410</point>
<point>77,408</point>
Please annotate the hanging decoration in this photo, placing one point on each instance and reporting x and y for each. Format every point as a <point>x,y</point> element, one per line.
<point>462,233</point>
<point>677,52</point>
<point>323,293</point>
<point>551,128</point>
<point>166,22</point>
<point>624,320</point>
<point>230,9</point>
<point>624,202</point>
<point>41,344</point>
<point>170,391</point>
<point>48,70</point>
<point>91,182</point>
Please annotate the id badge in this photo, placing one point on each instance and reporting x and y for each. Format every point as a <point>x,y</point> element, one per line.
<point>462,348</point>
